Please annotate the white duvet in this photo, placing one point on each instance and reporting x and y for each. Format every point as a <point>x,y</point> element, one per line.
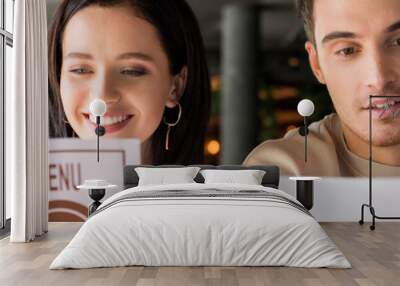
<point>200,231</point>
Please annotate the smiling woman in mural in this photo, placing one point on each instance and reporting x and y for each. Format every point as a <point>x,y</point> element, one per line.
<point>145,59</point>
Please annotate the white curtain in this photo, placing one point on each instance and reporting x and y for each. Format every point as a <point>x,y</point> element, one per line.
<point>27,123</point>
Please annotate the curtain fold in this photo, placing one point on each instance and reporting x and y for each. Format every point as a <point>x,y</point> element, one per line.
<point>27,115</point>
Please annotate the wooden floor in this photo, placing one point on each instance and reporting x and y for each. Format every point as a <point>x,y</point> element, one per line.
<point>375,257</point>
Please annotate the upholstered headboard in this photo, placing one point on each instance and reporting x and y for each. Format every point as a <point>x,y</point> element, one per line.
<point>270,179</point>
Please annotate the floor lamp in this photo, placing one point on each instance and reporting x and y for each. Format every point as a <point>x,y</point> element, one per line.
<point>305,108</point>
<point>370,204</point>
<point>98,108</point>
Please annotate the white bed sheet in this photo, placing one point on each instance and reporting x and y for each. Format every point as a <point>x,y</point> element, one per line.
<point>200,232</point>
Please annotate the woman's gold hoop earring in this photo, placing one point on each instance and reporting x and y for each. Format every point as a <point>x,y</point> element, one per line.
<point>170,125</point>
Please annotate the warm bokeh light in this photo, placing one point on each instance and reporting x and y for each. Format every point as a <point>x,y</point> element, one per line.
<point>216,83</point>
<point>263,94</point>
<point>284,92</point>
<point>294,62</point>
<point>288,117</point>
<point>213,147</point>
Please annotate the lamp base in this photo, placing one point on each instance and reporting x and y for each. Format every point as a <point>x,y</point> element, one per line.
<point>96,195</point>
<point>305,193</point>
<point>374,216</point>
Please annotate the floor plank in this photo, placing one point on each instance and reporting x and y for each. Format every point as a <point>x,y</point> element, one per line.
<point>375,257</point>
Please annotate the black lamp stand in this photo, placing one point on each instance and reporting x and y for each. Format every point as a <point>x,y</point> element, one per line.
<point>370,204</point>
<point>305,138</point>
<point>303,131</point>
<point>100,131</point>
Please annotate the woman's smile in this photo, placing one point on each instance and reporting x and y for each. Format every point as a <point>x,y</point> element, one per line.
<point>112,122</point>
<point>131,76</point>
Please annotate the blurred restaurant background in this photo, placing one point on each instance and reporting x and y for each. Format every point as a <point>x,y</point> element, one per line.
<point>259,72</point>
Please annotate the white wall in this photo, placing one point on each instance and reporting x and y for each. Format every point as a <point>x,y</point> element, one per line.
<point>340,199</point>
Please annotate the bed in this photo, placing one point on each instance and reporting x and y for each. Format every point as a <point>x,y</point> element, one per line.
<point>201,224</point>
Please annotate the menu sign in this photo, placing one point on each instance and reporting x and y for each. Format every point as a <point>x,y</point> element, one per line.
<point>73,160</point>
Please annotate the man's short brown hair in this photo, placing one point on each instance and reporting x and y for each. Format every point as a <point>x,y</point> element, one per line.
<point>305,9</point>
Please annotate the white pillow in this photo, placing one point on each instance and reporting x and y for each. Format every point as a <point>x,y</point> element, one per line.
<point>248,177</point>
<point>163,176</point>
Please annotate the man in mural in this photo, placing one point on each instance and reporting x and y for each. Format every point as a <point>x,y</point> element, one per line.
<point>354,49</point>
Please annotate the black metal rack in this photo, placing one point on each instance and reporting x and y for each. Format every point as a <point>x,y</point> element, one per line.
<point>370,205</point>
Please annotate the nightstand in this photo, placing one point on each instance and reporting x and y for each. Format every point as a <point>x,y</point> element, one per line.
<point>305,190</point>
<point>97,190</point>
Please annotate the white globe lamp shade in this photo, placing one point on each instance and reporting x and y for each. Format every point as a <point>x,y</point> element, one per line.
<point>305,107</point>
<point>98,107</point>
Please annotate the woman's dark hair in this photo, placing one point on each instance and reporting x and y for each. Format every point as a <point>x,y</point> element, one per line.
<point>305,9</point>
<point>180,35</point>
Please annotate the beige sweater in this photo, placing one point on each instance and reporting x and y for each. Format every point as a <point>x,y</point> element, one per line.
<point>328,154</point>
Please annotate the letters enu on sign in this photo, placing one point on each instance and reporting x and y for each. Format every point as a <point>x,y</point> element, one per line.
<point>65,176</point>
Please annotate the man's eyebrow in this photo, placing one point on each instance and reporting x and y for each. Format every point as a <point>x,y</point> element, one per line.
<point>394,27</point>
<point>338,35</point>
<point>135,55</point>
<point>79,56</point>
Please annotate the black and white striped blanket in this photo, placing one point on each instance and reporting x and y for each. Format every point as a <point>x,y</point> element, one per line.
<point>205,194</point>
